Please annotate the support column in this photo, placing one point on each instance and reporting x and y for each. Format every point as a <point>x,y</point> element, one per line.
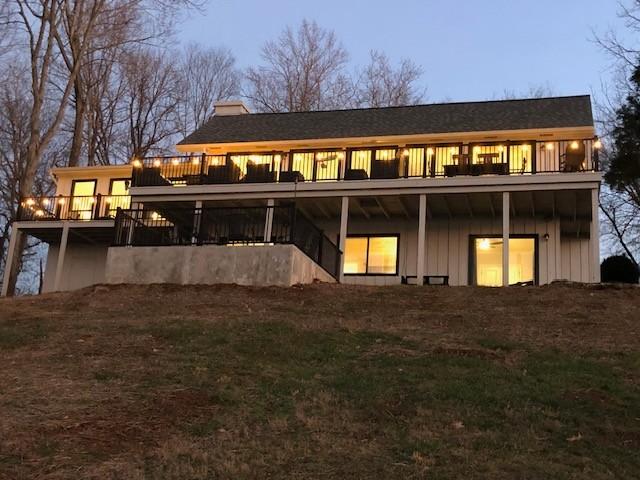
<point>197,221</point>
<point>344,220</point>
<point>422,228</point>
<point>61,254</point>
<point>505,238</point>
<point>11,253</point>
<point>268,221</point>
<point>595,235</point>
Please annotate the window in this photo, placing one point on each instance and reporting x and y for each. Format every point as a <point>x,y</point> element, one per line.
<point>82,192</point>
<point>317,166</point>
<point>118,196</point>
<point>438,158</point>
<point>487,252</point>
<point>371,255</point>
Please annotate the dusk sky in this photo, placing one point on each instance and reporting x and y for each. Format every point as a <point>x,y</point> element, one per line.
<point>469,50</point>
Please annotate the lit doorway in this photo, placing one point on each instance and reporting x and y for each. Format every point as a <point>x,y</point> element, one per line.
<point>486,260</point>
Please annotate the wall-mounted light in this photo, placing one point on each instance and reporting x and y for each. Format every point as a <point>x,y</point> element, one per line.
<point>484,244</point>
<point>546,237</point>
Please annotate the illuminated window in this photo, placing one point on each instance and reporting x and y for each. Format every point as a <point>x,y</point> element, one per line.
<point>520,158</point>
<point>371,255</point>
<point>241,161</point>
<point>361,160</point>
<point>118,196</point>
<point>82,202</point>
<point>414,158</point>
<point>488,261</point>
<point>439,157</point>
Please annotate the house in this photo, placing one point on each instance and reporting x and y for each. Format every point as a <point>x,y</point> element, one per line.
<point>477,193</point>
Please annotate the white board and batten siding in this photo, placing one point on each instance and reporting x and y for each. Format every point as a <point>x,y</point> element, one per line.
<point>447,248</point>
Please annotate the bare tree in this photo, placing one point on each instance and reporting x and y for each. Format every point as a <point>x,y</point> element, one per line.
<point>533,91</point>
<point>619,201</point>
<point>380,85</point>
<point>151,97</point>
<point>14,138</point>
<point>303,70</point>
<point>206,75</point>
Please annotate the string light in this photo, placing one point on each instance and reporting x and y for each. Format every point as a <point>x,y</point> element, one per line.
<point>136,163</point>
<point>597,144</point>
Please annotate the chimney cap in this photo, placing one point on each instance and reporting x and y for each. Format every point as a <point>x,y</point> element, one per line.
<point>230,107</point>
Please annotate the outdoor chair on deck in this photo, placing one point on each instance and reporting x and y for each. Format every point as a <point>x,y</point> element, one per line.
<point>385,169</point>
<point>573,158</point>
<point>356,174</point>
<point>259,173</point>
<point>229,173</point>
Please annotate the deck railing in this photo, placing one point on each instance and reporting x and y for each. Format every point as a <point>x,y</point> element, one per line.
<point>79,208</point>
<point>411,162</point>
<point>231,226</point>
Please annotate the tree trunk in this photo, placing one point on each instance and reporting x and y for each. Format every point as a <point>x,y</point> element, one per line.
<point>78,125</point>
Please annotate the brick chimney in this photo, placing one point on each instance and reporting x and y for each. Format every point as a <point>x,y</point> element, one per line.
<point>230,107</point>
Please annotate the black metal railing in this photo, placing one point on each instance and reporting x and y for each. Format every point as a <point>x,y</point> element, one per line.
<point>79,208</point>
<point>171,226</point>
<point>510,158</point>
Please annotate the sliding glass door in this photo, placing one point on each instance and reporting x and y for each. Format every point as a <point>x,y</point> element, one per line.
<point>486,260</point>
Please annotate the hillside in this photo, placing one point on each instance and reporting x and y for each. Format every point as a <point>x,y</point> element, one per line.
<point>321,381</point>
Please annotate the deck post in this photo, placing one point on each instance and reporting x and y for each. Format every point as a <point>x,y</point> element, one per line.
<point>344,219</point>
<point>11,253</point>
<point>595,235</point>
<point>197,221</point>
<point>422,224</point>
<point>62,251</point>
<point>506,204</point>
<point>268,220</point>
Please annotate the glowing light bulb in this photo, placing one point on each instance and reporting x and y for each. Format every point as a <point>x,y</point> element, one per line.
<point>136,163</point>
<point>430,151</point>
<point>574,145</point>
<point>549,146</point>
<point>156,163</point>
<point>484,244</point>
<point>195,161</point>
<point>597,144</point>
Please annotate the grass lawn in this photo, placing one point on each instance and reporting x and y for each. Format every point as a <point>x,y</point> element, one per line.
<point>170,382</point>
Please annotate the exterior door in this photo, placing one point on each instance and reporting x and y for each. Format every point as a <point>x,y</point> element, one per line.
<point>82,199</point>
<point>486,261</point>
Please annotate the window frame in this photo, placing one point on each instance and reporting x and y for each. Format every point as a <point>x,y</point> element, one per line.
<point>427,172</point>
<point>315,151</point>
<point>369,236</point>
<point>472,279</point>
<point>112,180</point>
<point>80,180</point>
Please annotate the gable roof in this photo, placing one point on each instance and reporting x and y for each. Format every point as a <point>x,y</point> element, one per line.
<point>554,112</point>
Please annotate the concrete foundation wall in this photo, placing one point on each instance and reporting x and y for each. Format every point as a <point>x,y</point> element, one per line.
<point>281,265</point>
<point>84,265</point>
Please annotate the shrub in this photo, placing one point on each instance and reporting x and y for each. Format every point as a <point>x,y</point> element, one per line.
<point>619,268</point>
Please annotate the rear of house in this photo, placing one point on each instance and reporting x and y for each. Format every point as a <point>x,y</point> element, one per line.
<point>479,193</point>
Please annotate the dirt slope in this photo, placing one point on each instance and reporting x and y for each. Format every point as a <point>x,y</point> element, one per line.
<point>321,381</point>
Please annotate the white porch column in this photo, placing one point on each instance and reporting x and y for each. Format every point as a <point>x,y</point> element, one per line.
<point>268,221</point>
<point>344,219</point>
<point>11,253</point>
<point>422,227</point>
<point>595,235</point>
<point>197,220</point>
<point>505,238</point>
<point>62,250</point>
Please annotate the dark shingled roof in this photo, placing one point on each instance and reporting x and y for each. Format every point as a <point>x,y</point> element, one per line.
<point>557,112</point>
